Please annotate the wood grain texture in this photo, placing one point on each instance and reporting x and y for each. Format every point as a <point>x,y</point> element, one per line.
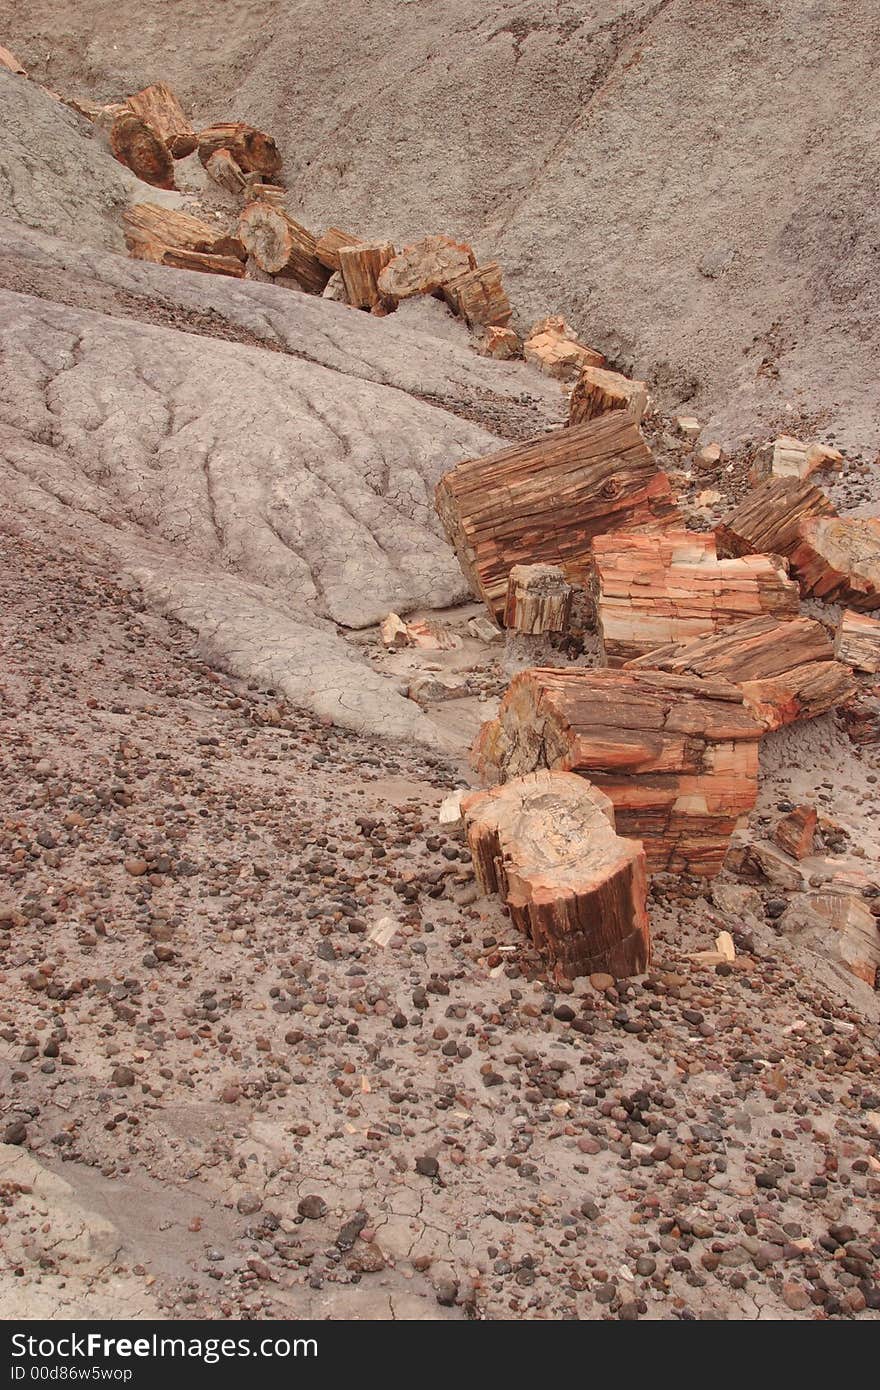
<point>857,641</point>
<point>597,390</point>
<point>768,519</point>
<point>838,559</point>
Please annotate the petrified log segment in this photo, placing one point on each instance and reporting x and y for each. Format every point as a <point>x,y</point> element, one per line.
<point>503,344</point>
<point>100,114</point>
<point>678,756</point>
<point>281,246</point>
<point>222,168</point>
<point>479,296</point>
<point>597,390</point>
<point>796,831</point>
<point>167,228</point>
<point>767,520</point>
<point>858,641</point>
<point>538,599</point>
<point>136,145</point>
<point>253,150</point>
<point>552,346</point>
<point>838,559</point>
<point>654,590</point>
<point>787,457</point>
<point>425,266</point>
<point>158,107</point>
<point>328,246</point>
<point>198,260</point>
<point>542,502</point>
<point>546,844</point>
<point>361,267</point>
<point>785,669</point>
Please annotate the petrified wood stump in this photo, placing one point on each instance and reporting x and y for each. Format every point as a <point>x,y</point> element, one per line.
<point>538,599</point>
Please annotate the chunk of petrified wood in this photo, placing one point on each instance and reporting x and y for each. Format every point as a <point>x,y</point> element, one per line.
<point>768,518</point>
<point>552,346</point>
<point>796,831</point>
<point>425,267</point>
<point>838,559</point>
<point>361,267</point>
<point>597,390</point>
<point>479,297</point>
<point>653,590</point>
<point>546,844</point>
<point>787,457</point>
<point>158,107</point>
<point>839,926</point>
<point>327,246</point>
<point>538,599</point>
<point>166,227</point>
<point>101,114</point>
<point>253,150</point>
<point>136,145</point>
<point>857,641</point>
<point>223,170</point>
<point>504,344</point>
<point>784,667</point>
<point>10,62</point>
<point>198,260</point>
<point>281,246</point>
<point>677,755</point>
<point>542,502</point>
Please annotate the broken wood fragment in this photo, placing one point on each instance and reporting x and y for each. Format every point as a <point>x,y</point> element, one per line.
<point>10,62</point>
<point>181,259</point>
<point>786,457</point>
<point>504,344</point>
<point>538,599</point>
<point>158,107</point>
<point>100,114</point>
<point>222,168</point>
<point>784,667</point>
<point>552,346</point>
<point>168,228</point>
<point>838,559</point>
<point>796,832</point>
<point>546,844</point>
<point>597,390</point>
<point>140,149</point>
<point>281,246</point>
<point>857,641</point>
<point>327,247</point>
<point>653,590</point>
<point>253,150</point>
<point>424,267</point>
<point>479,297</point>
<point>361,266</point>
<point>768,518</point>
<point>840,927</point>
<point>543,502</point>
<point>677,755</point>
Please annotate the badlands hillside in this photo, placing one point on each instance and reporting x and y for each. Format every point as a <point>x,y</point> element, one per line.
<point>268,1048</point>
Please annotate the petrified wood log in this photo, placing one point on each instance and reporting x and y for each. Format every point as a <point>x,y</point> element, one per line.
<point>858,641</point>
<point>652,590</point>
<point>158,107</point>
<point>597,390</point>
<point>838,559</point>
<point>425,267</point>
<point>787,457</point>
<point>503,344</point>
<point>136,145</point>
<point>796,831</point>
<point>677,755</point>
<point>327,247</point>
<point>361,266</point>
<point>546,844</point>
<point>784,668</point>
<point>552,346</point>
<point>253,150</point>
<point>222,168</point>
<point>101,114</point>
<point>542,502</point>
<point>198,260</point>
<point>479,296</point>
<point>281,246</point>
<point>166,227</point>
<point>767,520</point>
<point>538,599</point>
<point>10,62</point>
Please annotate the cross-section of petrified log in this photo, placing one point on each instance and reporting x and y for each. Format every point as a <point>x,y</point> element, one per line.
<point>677,755</point>
<point>361,266</point>
<point>538,599</point>
<point>857,641</point>
<point>479,296</point>
<point>652,590</point>
<point>543,502</point>
<point>597,390</point>
<point>145,153</point>
<point>425,266</point>
<point>253,150</point>
<point>768,518</point>
<point>546,844</point>
<point>147,223</point>
<point>281,246</point>
<point>158,107</point>
<point>838,559</point>
<point>784,667</point>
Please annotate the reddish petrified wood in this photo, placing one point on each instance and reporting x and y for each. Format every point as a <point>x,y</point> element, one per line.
<point>838,559</point>
<point>768,518</point>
